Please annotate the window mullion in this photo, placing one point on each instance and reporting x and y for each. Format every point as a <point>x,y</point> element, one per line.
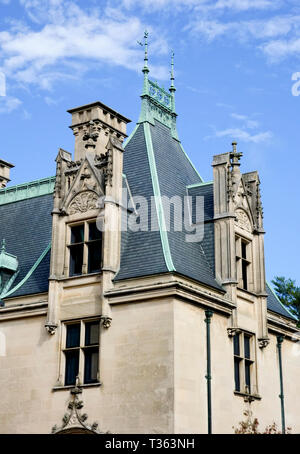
<point>85,248</point>
<point>81,352</point>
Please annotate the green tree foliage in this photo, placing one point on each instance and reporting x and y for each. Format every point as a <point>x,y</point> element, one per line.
<point>289,294</point>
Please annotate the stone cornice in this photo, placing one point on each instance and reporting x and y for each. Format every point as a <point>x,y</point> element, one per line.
<point>281,325</point>
<point>175,288</point>
<point>24,310</point>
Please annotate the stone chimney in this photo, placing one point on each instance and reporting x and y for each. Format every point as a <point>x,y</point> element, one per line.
<point>92,126</point>
<point>4,173</point>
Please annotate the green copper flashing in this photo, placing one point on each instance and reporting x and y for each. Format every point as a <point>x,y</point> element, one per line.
<point>30,272</point>
<point>158,201</point>
<point>126,142</point>
<point>8,261</point>
<point>157,103</point>
<point>284,307</point>
<point>27,190</point>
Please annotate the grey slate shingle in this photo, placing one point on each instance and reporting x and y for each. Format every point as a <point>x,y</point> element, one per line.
<point>26,226</point>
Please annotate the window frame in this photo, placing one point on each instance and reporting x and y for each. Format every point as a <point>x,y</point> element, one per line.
<point>244,263</point>
<point>86,242</point>
<point>241,359</point>
<point>82,349</point>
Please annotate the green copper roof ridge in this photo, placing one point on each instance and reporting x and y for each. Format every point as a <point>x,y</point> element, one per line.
<point>30,272</point>
<point>196,185</point>
<point>158,202</point>
<point>23,191</point>
<point>130,136</point>
<point>202,181</point>
<point>284,307</point>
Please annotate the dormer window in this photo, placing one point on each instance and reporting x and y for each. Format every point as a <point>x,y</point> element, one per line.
<point>243,262</point>
<point>85,249</point>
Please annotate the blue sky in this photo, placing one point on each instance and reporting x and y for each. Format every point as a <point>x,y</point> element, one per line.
<point>234,61</point>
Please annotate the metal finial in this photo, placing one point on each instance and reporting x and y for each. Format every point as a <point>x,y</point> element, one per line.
<point>172,70</point>
<point>3,245</point>
<point>145,44</point>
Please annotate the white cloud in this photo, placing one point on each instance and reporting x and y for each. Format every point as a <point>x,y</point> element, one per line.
<point>203,5</point>
<point>8,104</point>
<point>277,37</point>
<point>244,136</point>
<point>45,53</point>
<point>249,124</point>
<point>279,49</point>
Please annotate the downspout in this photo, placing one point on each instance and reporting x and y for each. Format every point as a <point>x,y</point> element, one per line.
<point>281,395</point>
<point>208,314</point>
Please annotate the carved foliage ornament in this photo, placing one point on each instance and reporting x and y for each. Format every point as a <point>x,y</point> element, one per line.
<point>74,421</point>
<point>242,220</point>
<point>84,201</point>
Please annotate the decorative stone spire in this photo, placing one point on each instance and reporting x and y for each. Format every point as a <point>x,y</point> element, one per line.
<point>235,165</point>
<point>235,156</point>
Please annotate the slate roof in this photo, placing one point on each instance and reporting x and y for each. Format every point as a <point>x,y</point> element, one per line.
<point>26,227</point>
<point>144,254</point>
<point>275,305</point>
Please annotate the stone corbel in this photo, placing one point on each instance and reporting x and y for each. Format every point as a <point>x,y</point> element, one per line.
<point>51,327</point>
<point>263,342</point>
<point>106,321</point>
<point>233,331</point>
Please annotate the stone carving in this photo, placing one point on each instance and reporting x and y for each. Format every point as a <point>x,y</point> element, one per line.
<point>263,342</point>
<point>233,331</point>
<point>83,202</point>
<point>242,220</point>
<point>74,421</point>
<point>106,321</point>
<point>51,328</point>
<point>104,163</point>
<point>91,134</point>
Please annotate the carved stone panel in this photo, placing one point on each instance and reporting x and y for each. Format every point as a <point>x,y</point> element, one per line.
<point>242,220</point>
<point>84,201</point>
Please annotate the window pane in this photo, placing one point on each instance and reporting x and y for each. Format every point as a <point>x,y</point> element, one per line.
<point>247,376</point>
<point>76,259</point>
<point>237,374</point>
<point>73,335</point>
<point>72,367</point>
<point>236,344</point>
<point>94,258</point>
<point>77,234</point>
<point>94,233</point>
<point>244,250</point>
<point>92,333</point>
<point>91,356</point>
<point>244,274</point>
<point>247,346</point>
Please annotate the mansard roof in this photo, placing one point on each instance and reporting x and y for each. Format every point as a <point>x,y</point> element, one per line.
<point>26,224</point>
<point>156,165</point>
